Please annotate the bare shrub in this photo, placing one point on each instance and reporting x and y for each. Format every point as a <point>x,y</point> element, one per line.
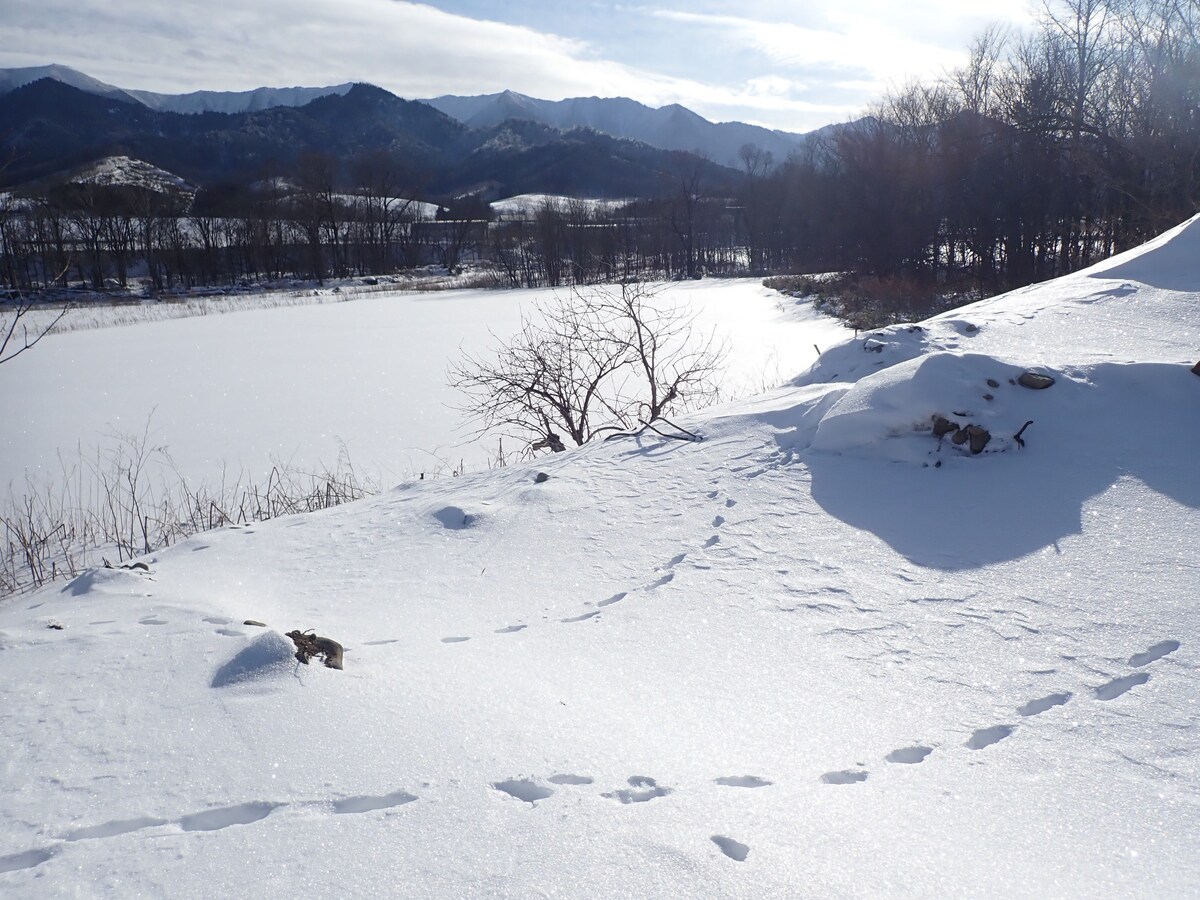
<point>130,499</point>
<point>601,359</point>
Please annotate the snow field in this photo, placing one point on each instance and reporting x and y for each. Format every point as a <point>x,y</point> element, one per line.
<point>796,659</point>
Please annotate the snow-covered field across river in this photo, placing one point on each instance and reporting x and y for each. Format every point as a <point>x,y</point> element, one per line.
<point>233,393</point>
<point>824,652</point>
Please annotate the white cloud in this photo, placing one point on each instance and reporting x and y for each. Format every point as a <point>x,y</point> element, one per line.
<point>418,50</point>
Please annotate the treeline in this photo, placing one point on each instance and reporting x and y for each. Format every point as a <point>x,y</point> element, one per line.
<point>117,236</point>
<point>1044,153</point>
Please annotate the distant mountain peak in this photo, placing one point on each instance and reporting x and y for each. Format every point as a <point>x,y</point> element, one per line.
<point>671,127</point>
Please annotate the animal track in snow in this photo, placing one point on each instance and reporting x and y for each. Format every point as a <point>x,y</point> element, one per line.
<point>510,629</point>
<point>735,850</point>
<point>454,640</point>
<point>642,789</point>
<point>1041,704</point>
<point>615,598</point>
<point>113,829</point>
<point>216,819</point>
<point>152,620</point>
<point>657,583</point>
<point>846,776</point>
<point>676,560</point>
<point>712,541</point>
<point>27,860</point>
<point>712,495</point>
<point>231,632</point>
<point>718,521</point>
<point>523,789</point>
<point>217,620</point>
<point>369,804</point>
<point>985,737</point>
<point>1118,686</point>
<point>1155,653</point>
<point>584,617</point>
<point>454,518</point>
<point>381,643</point>
<point>571,779</point>
<point>909,755</point>
<point>730,503</point>
<point>742,781</point>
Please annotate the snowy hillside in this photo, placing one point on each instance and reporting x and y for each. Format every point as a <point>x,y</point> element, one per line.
<point>123,170</point>
<point>821,653</point>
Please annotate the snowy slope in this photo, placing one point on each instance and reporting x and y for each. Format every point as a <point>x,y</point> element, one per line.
<point>124,170</point>
<point>797,659</point>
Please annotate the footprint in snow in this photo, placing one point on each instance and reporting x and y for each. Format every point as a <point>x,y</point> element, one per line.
<point>735,850</point>
<point>584,617</point>
<point>523,789</point>
<point>571,779</point>
<point>666,579</point>
<point>718,521</point>
<point>113,829</point>
<point>510,629</point>
<point>712,541</point>
<point>712,495</point>
<point>742,781</point>
<point>676,560</point>
<point>642,789</point>
<point>1118,686</point>
<point>454,640</point>
<point>231,632</point>
<point>730,503</point>
<point>381,643</point>
<point>369,804</point>
<point>1041,704</point>
<point>152,620</point>
<point>846,776</point>
<point>217,819</point>
<point>909,755</point>
<point>615,598</point>
<point>1155,653</point>
<point>985,737</point>
<point>28,860</point>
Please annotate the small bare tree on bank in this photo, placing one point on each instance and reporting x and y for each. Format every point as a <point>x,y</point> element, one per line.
<point>600,361</point>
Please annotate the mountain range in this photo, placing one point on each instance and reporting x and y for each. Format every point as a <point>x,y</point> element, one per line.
<point>53,118</point>
<point>672,127</point>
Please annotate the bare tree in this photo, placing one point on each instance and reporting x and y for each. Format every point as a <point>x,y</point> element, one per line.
<point>609,359</point>
<point>16,336</point>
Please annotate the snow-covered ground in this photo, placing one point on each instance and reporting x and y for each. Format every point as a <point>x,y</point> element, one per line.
<point>526,205</point>
<point>819,654</point>
<point>232,393</point>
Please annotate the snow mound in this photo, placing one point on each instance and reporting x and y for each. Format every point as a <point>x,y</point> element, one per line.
<point>1167,262</point>
<point>890,414</point>
<point>867,354</point>
<point>108,581</point>
<point>268,657</point>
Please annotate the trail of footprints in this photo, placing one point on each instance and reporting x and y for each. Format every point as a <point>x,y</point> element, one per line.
<point>205,820</point>
<point>638,788</point>
<point>982,738</point>
<point>592,614</point>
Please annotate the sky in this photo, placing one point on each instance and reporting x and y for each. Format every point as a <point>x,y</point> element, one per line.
<point>793,66</point>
